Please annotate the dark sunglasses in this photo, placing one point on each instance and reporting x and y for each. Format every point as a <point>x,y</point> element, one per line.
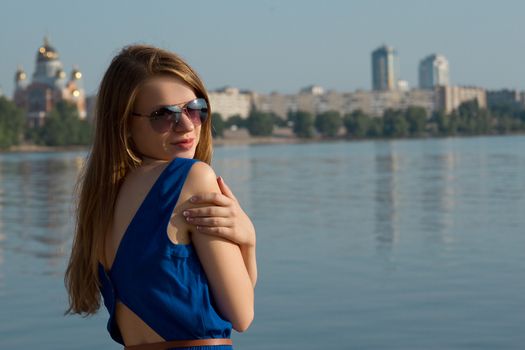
<point>163,118</point>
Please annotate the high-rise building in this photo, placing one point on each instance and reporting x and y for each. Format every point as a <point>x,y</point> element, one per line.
<point>49,85</point>
<point>433,71</point>
<point>385,68</point>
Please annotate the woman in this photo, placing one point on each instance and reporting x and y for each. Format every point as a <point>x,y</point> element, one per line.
<point>167,279</point>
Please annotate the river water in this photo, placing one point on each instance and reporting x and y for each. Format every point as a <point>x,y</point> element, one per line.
<point>406,244</point>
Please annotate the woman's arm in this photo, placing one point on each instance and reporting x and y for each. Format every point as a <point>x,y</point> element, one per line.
<point>222,260</point>
<point>250,262</point>
<point>225,218</point>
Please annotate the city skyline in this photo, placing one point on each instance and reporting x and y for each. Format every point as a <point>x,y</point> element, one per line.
<point>264,53</point>
<point>49,85</point>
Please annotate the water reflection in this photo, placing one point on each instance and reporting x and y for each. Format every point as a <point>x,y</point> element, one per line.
<point>386,197</point>
<point>438,193</point>
<point>235,168</point>
<point>2,233</point>
<point>34,184</point>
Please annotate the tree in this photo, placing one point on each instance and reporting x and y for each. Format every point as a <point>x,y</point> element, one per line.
<point>375,127</point>
<point>394,124</point>
<point>504,124</point>
<point>416,118</point>
<point>303,124</point>
<point>237,120</point>
<point>11,123</point>
<point>441,121</point>
<point>278,121</point>
<point>356,123</point>
<point>63,127</point>
<point>259,123</point>
<point>453,123</point>
<point>484,122</point>
<point>507,117</point>
<point>217,125</point>
<point>469,108</point>
<point>290,116</point>
<point>328,123</point>
<point>468,113</point>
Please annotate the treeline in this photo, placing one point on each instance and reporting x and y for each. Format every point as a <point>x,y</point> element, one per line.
<point>62,127</point>
<point>467,119</point>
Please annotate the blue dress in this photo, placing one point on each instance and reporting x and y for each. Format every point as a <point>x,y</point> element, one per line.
<point>163,283</point>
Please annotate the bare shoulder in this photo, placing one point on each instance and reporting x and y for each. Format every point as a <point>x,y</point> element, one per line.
<point>202,178</point>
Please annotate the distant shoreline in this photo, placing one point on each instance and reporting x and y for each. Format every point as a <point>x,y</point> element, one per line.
<point>38,148</point>
<point>240,138</point>
<point>216,142</point>
<point>237,137</point>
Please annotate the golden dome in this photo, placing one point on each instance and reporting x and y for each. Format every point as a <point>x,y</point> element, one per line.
<point>46,52</point>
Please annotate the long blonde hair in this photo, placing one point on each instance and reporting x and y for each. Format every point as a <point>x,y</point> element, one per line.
<point>112,157</point>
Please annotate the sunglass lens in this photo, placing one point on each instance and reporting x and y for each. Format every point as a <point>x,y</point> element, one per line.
<point>198,110</point>
<point>162,120</point>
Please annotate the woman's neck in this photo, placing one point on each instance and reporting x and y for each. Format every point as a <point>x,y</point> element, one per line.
<point>149,161</point>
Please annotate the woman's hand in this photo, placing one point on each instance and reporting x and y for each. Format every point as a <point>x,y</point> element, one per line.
<point>224,218</point>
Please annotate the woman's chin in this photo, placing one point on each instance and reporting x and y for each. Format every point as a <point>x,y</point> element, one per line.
<point>175,152</point>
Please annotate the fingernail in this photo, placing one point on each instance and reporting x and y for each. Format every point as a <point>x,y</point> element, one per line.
<point>185,213</point>
<point>193,199</point>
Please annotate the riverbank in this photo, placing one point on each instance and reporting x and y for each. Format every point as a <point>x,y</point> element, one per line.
<point>231,138</point>
<point>242,137</point>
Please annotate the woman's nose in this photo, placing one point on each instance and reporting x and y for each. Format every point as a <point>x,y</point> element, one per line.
<point>184,123</point>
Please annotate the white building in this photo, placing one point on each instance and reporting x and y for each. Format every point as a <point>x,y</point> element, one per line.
<point>449,98</point>
<point>312,90</point>
<point>230,101</point>
<point>403,85</point>
<point>374,103</point>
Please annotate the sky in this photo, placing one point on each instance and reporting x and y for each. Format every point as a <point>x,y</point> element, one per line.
<point>268,46</point>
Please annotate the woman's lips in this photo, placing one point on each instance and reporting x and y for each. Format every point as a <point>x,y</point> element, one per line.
<point>187,144</point>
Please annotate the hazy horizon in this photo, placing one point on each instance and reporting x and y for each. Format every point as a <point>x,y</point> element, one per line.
<point>270,46</point>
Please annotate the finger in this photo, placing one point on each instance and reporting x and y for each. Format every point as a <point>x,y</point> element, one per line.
<point>215,198</point>
<point>206,211</point>
<point>210,221</point>
<point>225,189</point>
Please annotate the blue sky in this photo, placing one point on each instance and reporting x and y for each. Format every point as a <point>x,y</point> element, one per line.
<point>274,45</point>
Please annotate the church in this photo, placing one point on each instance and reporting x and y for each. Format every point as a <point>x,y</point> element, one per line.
<point>48,86</point>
